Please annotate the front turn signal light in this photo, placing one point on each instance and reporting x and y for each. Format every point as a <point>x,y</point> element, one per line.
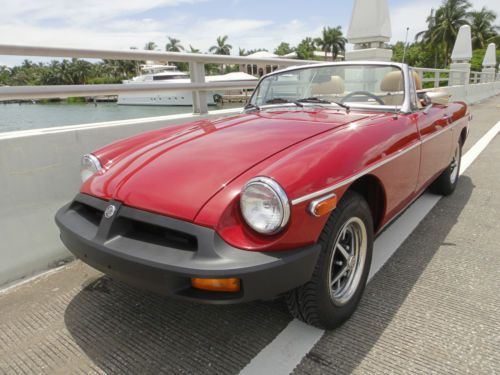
<point>232,284</point>
<point>323,206</point>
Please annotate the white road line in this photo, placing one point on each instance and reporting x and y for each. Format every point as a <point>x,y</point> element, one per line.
<point>18,284</point>
<point>286,351</point>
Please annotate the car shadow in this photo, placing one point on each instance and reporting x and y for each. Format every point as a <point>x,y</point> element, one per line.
<point>126,330</point>
<point>343,349</point>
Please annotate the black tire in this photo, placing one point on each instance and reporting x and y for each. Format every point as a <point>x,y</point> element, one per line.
<point>313,302</point>
<point>445,184</point>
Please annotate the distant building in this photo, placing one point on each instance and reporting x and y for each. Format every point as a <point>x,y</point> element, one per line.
<point>258,70</point>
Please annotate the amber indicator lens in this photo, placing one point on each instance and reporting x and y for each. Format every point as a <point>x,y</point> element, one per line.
<point>217,285</point>
<point>325,206</point>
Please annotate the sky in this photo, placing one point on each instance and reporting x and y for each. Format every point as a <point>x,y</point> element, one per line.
<point>121,24</point>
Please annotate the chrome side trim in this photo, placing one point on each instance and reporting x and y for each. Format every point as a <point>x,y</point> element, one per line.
<point>370,168</point>
<point>356,176</point>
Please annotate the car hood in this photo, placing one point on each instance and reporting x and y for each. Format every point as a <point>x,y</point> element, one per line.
<point>177,174</point>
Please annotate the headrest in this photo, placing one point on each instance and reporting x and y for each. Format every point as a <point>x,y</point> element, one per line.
<point>334,86</point>
<point>418,81</point>
<point>393,81</point>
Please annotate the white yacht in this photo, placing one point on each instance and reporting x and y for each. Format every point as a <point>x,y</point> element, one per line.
<point>157,73</point>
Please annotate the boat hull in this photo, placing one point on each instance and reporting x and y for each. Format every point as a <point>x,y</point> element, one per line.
<point>162,99</point>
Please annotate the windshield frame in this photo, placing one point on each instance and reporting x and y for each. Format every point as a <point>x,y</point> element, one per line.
<point>405,107</point>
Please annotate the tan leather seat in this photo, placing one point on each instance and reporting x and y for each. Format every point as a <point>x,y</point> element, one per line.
<point>418,81</point>
<point>335,86</point>
<point>392,83</point>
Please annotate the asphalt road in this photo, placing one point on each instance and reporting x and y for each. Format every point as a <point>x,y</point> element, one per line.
<point>434,307</point>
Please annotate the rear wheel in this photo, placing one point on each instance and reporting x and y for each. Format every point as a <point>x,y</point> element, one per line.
<point>340,275</point>
<point>447,181</point>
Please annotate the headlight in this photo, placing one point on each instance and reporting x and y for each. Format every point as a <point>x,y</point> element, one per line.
<point>89,166</point>
<point>264,205</point>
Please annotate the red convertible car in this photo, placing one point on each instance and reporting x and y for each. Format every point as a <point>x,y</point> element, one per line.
<point>284,199</point>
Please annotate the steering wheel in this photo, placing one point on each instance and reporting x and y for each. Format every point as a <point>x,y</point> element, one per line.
<point>364,93</point>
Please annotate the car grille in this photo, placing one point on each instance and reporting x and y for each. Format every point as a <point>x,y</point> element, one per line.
<point>125,225</point>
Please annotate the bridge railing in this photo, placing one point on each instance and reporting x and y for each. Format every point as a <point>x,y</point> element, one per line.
<point>196,62</point>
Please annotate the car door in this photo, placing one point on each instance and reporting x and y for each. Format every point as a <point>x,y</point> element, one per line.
<point>436,138</point>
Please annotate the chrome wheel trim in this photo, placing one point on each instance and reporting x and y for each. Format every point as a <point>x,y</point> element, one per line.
<point>455,166</point>
<point>347,261</point>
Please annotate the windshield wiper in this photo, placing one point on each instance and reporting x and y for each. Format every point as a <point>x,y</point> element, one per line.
<point>251,106</point>
<point>283,101</point>
<point>323,101</point>
<point>314,100</point>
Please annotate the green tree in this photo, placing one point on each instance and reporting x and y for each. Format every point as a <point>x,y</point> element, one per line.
<point>283,49</point>
<point>305,49</point>
<point>478,57</point>
<point>242,52</point>
<point>4,75</point>
<point>255,50</point>
<point>221,48</point>
<point>194,50</point>
<point>417,54</point>
<point>150,46</point>
<point>173,45</point>
<point>482,28</point>
<point>443,25</point>
<point>337,41</point>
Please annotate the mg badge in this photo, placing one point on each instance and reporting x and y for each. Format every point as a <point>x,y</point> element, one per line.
<point>110,211</point>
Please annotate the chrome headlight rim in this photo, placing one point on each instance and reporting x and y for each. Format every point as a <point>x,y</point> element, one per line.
<point>283,200</point>
<point>91,164</point>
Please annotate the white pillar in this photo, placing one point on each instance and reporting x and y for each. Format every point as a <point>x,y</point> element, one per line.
<point>489,64</point>
<point>369,31</point>
<point>197,73</point>
<point>461,56</point>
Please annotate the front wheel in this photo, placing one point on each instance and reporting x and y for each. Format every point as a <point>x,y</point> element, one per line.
<point>446,183</point>
<point>340,275</point>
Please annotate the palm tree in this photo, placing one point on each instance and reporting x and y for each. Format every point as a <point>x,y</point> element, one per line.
<point>242,52</point>
<point>337,41</point>
<point>194,50</point>
<point>332,40</point>
<point>325,41</point>
<point>173,45</point>
<point>443,25</point>
<point>150,46</point>
<point>482,27</point>
<point>425,37</point>
<point>221,48</point>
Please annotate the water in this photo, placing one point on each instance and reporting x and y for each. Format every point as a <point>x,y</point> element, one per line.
<point>36,116</point>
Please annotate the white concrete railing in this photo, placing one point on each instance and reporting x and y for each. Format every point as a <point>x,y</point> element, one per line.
<point>443,77</point>
<point>196,62</point>
<point>39,172</point>
<point>438,76</point>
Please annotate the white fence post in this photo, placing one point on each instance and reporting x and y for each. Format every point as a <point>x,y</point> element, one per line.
<point>197,71</point>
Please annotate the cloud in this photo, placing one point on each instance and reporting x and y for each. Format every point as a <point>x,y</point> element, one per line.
<point>123,24</point>
<point>119,24</point>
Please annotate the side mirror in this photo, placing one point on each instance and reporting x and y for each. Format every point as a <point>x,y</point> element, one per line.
<point>439,97</point>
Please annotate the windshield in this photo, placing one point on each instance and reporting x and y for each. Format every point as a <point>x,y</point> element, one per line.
<point>352,85</point>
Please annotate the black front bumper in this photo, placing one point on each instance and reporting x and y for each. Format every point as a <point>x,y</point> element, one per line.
<point>162,254</point>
